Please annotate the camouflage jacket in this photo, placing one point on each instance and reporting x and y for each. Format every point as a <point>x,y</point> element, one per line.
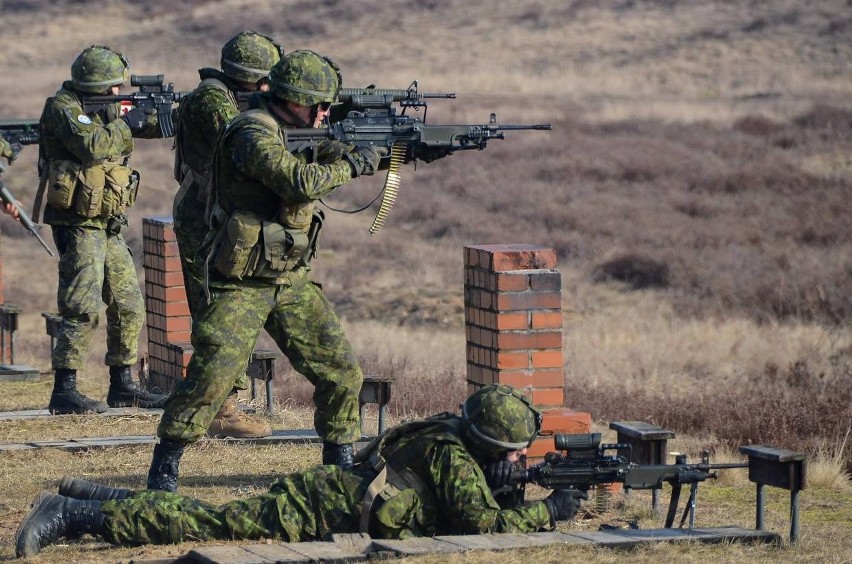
<point>440,487</point>
<point>254,172</point>
<point>5,148</point>
<point>67,133</point>
<point>201,115</point>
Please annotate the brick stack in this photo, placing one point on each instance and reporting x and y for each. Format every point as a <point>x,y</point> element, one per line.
<point>513,326</point>
<point>166,306</point>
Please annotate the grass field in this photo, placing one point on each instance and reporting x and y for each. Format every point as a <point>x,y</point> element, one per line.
<point>696,187</point>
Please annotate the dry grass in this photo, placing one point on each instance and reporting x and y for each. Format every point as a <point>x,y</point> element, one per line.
<point>700,153</point>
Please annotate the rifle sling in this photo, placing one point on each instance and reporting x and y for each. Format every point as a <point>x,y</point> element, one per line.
<point>39,197</point>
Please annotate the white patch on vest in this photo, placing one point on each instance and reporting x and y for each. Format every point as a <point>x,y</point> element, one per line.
<point>84,119</point>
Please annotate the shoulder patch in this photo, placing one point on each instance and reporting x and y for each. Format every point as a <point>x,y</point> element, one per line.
<point>84,119</point>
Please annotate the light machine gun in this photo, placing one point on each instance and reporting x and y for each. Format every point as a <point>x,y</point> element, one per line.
<point>584,463</point>
<point>153,95</point>
<point>373,121</point>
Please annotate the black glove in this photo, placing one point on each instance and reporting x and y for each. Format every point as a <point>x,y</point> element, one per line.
<point>137,119</point>
<point>498,474</point>
<point>365,160</point>
<point>330,151</point>
<point>564,504</point>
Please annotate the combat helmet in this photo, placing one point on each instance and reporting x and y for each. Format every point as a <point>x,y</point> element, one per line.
<point>248,56</point>
<point>97,68</point>
<point>498,418</point>
<point>306,78</point>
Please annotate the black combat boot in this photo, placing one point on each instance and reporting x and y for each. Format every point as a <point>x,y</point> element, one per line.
<point>78,488</point>
<point>340,455</point>
<point>163,474</point>
<point>54,517</point>
<point>124,392</point>
<point>66,399</point>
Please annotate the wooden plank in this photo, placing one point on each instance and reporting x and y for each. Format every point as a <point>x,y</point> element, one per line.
<point>277,552</point>
<point>226,554</point>
<point>416,546</point>
<point>327,552</point>
<point>738,534</point>
<point>607,539</point>
<point>641,430</point>
<point>16,446</point>
<point>496,541</point>
<point>111,412</point>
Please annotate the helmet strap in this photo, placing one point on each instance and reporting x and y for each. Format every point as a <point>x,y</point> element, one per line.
<point>291,118</point>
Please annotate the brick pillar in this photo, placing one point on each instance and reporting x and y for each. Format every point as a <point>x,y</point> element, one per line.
<point>513,326</point>
<point>166,306</point>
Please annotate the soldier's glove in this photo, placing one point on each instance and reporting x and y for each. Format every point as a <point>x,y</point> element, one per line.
<point>138,119</point>
<point>498,474</point>
<point>15,151</point>
<point>365,160</point>
<point>564,504</point>
<point>330,151</point>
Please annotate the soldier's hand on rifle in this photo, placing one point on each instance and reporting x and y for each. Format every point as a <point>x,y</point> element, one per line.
<point>138,119</point>
<point>498,474</point>
<point>330,151</point>
<point>16,150</point>
<point>564,504</point>
<point>365,160</point>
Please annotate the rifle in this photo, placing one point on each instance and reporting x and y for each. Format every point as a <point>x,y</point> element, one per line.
<point>152,94</point>
<point>25,220</point>
<point>22,131</point>
<point>379,126</point>
<point>584,463</point>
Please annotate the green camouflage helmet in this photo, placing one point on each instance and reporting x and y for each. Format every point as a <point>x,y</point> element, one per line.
<point>499,418</point>
<point>249,56</point>
<point>97,68</point>
<point>305,78</point>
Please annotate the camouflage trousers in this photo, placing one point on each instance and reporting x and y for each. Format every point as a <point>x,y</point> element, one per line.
<point>305,506</point>
<point>301,321</point>
<point>96,268</point>
<point>190,230</point>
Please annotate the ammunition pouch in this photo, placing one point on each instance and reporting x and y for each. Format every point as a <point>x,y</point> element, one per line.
<point>101,190</point>
<point>116,224</point>
<point>247,246</point>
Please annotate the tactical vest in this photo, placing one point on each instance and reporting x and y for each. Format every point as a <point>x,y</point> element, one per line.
<point>104,189</point>
<point>395,478</point>
<point>247,245</point>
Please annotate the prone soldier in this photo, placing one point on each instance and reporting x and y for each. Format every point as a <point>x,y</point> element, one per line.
<point>422,478</point>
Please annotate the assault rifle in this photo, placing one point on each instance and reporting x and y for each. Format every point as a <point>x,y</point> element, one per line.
<point>356,99</point>
<point>25,220</point>
<point>404,136</point>
<point>153,94</point>
<point>22,131</point>
<point>584,463</point>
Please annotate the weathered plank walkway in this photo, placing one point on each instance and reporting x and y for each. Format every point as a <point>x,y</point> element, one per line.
<point>355,548</point>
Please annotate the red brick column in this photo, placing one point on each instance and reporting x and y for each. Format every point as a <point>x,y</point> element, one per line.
<point>166,306</point>
<point>513,326</point>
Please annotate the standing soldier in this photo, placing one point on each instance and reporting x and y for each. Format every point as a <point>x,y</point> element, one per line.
<point>264,229</point>
<point>246,61</point>
<point>83,164</point>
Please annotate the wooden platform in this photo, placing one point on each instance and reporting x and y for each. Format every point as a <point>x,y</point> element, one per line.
<point>357,547</point>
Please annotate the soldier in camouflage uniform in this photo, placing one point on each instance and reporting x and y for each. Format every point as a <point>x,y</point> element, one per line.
<point>422,478</point>
<point>246,61</point>
<point>83,164</point>
<point>263,232</point>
